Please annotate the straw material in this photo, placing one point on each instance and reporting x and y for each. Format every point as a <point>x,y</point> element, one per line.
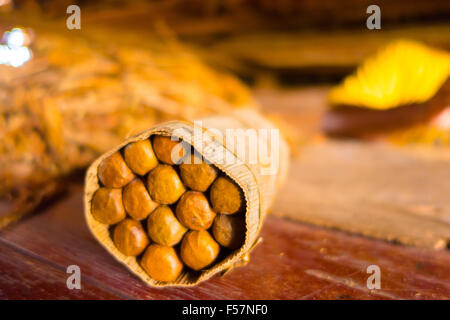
<point>258,188</point>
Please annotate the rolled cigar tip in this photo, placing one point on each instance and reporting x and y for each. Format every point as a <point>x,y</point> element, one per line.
<point>164,184</point>
<point>113,172</point>
<point>137,201</point>
<point>140,157</point>
<point>107,207</point>
<point>199,249</point>
<point>229,230</point>
<point>194,212</point>
<point>197,175</point>
<point>162,263</point>
<point>226,196</point>
<point>130,238</point>
<point>164,228</point>
<point>168,150</point>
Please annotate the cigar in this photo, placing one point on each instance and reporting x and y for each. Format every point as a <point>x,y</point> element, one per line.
<point>229,230</point>
<point>164,228</point>
<point>370,104</point>
<point>130,238</point>
<point>164,184</point>
<point>169,151</point>
<point>194,212</point>
<point>140,157</point>
<point>137,201</point>
<point>113,172</point>
<point>107,206</point>
<point>226,197</point>
<point>198,175</point>
<point>177,217</point>
<point>162,263</point>
<point>199,249</point>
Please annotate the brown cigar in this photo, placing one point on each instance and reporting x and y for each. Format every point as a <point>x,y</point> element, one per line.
<point>164,228</point>
<point>168,150</point>
<point>162,263</point>
<point>194,212</point>
<point>137,201</point>
<point>229,230</point>
<point>198,249</point>
<point>198,175</point>
<point>164,184</point>
<point>113,172</point>
<point>226,196</point>
<point>140,157</point>
<point>130,238</point>
<point>107,206</point>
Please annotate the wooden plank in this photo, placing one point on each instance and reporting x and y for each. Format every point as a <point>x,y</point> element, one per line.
<point>294,262</point>
<point>197,18</point>
<point>309,56</point>
<point>24,277</point>
<point>377,190</point>
<point>380,190</point>
<point>306,49</point>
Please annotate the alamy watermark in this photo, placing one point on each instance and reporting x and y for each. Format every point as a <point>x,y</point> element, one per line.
<point>74,280</point>
<point>74,20</point>
<point>259,147</point>
<point>374,280</point>
<point>374,20</point>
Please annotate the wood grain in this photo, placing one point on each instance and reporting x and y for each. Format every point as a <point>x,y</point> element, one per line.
<point>377,190</point>
<point>25,277</point>
<point>294,261</point>
<point>394,193</point>
<point>311,49</point>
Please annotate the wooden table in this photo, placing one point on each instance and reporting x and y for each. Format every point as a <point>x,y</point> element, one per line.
<point>295,261</point>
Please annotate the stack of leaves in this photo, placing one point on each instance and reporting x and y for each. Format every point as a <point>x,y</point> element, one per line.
<point>81,95</point>
<point>402,93</point>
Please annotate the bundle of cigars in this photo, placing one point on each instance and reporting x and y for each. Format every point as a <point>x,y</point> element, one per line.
<point>177,207</point>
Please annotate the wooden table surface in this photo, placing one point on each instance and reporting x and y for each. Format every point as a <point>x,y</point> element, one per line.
<point>295,261</point>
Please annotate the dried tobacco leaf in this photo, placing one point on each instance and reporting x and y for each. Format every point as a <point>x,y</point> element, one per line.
<point>80,96</point>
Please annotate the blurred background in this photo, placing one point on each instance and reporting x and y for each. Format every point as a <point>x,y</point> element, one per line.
<point>66,96</point>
